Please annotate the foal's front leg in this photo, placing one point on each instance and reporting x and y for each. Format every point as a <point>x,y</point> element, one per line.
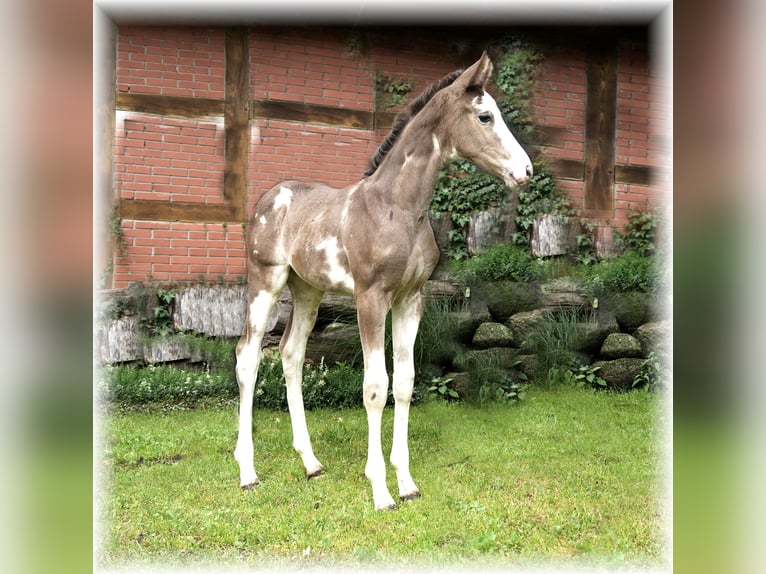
<point>405,320</point>
<point>371,312</point>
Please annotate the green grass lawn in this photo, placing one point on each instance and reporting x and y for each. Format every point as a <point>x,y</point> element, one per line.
<point>567,475</point>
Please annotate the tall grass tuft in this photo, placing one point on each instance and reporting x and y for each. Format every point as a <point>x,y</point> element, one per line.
<point>554,342</point>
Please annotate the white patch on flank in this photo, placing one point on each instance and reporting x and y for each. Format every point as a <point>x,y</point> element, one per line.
<point>284,199</point>
<point>519,160</point>
<point>337,274</point>
<point>262,220</point>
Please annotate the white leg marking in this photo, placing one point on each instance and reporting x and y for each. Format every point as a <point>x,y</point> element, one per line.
<point>248,359</point>
<point>375,394</point>
<point>293,349</point>
<point>405,321</point>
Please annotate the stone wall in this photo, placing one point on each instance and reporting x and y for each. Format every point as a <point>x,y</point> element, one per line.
<point>495,324</point>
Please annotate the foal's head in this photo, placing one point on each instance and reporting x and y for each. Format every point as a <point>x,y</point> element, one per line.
<point>475,127</point>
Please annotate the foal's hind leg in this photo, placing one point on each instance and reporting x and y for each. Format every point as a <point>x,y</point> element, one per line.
<point>293,349</point>
<point>265,286</point>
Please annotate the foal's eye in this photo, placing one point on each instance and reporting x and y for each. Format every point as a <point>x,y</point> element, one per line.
<point>485,118</point>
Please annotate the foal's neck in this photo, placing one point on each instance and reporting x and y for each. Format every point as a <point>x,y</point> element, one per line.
<point>411,168</point>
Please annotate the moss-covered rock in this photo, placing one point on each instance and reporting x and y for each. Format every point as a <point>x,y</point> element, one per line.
<point>505,298</point>
<point>492,335</point>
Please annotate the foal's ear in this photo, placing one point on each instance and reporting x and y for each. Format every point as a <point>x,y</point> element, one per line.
<point>478,74</point>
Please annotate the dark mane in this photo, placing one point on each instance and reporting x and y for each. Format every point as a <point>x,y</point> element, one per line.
<point>405,116</point>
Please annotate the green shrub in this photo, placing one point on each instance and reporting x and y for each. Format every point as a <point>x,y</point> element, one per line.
<point>503,261</point>
<point>627,272</point>
<point>640,234</point>
<point>131,386</point>
<point>167,386</point>
<point>339,386</point>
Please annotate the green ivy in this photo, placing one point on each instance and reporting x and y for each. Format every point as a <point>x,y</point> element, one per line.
<point>461,190</point>
<point>640,233</point>
<point>161,322</point>
<point>391,92</point>
<point>515,73</point>
<point>538,197</point>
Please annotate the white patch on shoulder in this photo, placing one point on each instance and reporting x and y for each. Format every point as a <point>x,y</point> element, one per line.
<point>337,275</point>
<point>437,145</point>
<point>344,212</point>
<point>284,199</point>
<point>262,220</point>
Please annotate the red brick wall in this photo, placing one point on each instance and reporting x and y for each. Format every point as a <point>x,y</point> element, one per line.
<point>171,61</point>
<point>559,101</point>
<point>181,160</point>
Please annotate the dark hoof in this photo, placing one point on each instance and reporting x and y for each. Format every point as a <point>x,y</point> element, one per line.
<point>315,474</point>
<point>410,496</point>
<point>389,508</point>
<point>250,486</point>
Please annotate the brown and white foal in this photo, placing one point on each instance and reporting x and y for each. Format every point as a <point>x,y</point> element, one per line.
<point>373,240</point>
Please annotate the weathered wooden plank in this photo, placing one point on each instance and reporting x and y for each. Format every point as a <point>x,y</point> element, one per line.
<point>600,124</point>
<point>236,120</point>
<point>568,169</point>
<point>633,174</point>
<point>172,106</point>
<point>150,210</point>
<point>212,311</point>
<point>311,114</point>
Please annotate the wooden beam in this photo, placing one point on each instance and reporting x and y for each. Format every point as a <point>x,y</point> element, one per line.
<point>172,106</point>
<point>600,124</point>
<point>634,174</point>
<point>148,209</point>
<point>568,169</point>
<point>311,114</point>
<point>236,120</point>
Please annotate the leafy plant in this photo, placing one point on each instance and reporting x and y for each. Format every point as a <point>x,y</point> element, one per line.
<point>630,271</point>
<point>587,376</point>
<point>392,91</point>
<point>511,388</point>
<point>538,197</point>
<point>503,261</point>
<point>640,233</point>
<point>443,387</point>
<point>130,387</point>
<point>463,189</point>
<point>585,251</point>
<point>515,73</point>
<point>653,374</point>
<point>161,321</point>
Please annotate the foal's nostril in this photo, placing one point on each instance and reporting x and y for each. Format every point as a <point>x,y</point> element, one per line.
<point>529,170</point>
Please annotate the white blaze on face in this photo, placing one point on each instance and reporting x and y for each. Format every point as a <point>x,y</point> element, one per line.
<point>337,274</point>
<point>284,199</point>
<point>519,165</point>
